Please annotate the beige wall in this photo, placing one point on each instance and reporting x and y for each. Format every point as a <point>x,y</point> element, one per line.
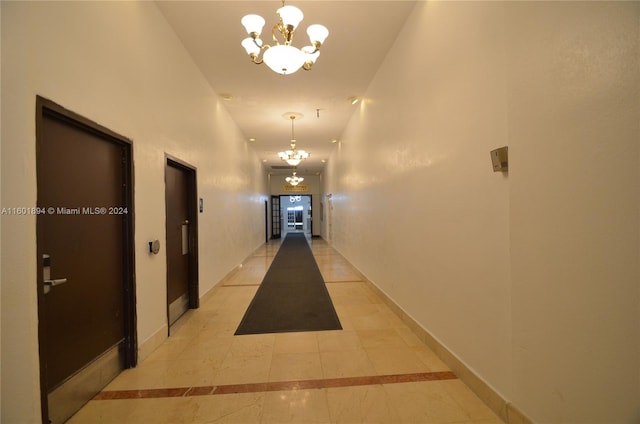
<point>574,116</point>
<point>119,64</point>
<point>531,279</point>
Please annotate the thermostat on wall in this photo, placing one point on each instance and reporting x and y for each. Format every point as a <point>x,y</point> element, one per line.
<point>500,159</point>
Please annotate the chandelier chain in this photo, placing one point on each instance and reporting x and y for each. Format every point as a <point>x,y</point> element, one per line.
<point>293,139</point>
<point>293,156</point>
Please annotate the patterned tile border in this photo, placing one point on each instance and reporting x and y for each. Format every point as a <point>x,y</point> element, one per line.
<point>274,386</point>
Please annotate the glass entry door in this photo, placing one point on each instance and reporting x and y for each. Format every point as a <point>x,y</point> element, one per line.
<point>295,211</point>
<point>275,217</point>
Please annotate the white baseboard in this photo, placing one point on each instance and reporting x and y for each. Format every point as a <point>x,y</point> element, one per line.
<point>152,343</point>
<point>508,412</point>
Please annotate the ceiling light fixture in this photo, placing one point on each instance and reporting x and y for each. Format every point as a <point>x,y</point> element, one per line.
<point>294,180</point>
<point>283,58</point>
<point>293,156</point>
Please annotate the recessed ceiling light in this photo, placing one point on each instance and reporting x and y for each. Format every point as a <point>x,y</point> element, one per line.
<point>226,96</point>
<point>323,161</point>
<point>252,139</point>
<point>334,140</point>
<point>354,99</point>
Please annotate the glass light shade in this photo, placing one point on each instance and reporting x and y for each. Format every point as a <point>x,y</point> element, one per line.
<point>284,59</point>
<point>290,15</point>
<point>250,46</point>
<point>297,157</point>
<point>253,23</point>
<point>317,33</point>
<point>294,180</point>
<point>309,54</point>
<point>285,155</point>
<point>293,157</point>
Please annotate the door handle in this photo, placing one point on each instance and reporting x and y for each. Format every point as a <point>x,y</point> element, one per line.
<point>46,275</point>
<point>55,282</point>
<point>52,283</point>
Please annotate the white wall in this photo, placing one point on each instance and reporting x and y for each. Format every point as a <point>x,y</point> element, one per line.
<point>0,234</point>
<point>119,64</point>
<point>574,117</point>
<point>530,278</point>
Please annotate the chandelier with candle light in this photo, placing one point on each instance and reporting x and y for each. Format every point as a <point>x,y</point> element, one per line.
<point>293,156</point>
<point>282,57</point>
<point>294,180</point>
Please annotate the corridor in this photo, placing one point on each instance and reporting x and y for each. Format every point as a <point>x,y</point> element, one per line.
<point>375,370</point>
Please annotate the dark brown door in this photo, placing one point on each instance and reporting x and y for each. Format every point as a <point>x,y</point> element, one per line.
<point>83,250</point>
<point>181,239</point>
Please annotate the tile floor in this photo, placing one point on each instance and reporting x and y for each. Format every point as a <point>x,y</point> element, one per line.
<point>373,371</point>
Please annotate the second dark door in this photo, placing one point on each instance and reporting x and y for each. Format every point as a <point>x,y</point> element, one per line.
<point>182,289</point>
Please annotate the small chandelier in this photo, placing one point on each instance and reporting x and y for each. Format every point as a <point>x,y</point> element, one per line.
<point>293,156</point>
<point>283,58</point>
<point>294,180</point>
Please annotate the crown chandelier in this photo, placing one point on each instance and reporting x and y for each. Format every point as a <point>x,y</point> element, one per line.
<point>283,58</point>
<point>294,180</point>
<point>293,156</point>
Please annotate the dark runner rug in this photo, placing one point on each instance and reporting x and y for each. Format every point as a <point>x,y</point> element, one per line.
<point>292,296</point>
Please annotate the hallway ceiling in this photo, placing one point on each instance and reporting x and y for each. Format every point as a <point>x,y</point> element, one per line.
<point>360,34</point>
